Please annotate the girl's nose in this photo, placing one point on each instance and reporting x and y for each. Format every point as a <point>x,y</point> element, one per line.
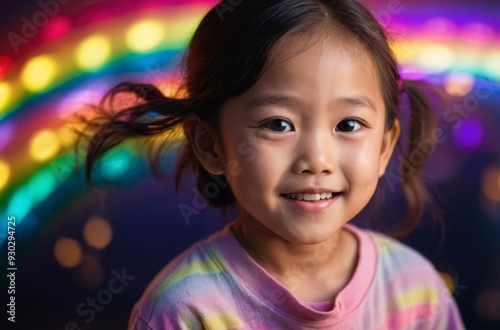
<point>315,155</point>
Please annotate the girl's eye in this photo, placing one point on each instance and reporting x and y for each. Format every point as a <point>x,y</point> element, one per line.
<point>348,126</point>
<point>278,125</point>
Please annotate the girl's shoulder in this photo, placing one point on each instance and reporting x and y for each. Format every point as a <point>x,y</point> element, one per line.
<point>395,263</point>
<point>398,265</point>
<point>394,253</point>
<point>185,280</point>
<point>405,280</point>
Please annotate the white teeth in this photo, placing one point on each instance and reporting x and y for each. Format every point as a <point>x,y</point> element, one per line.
<point>309,197</point>
<point>312,197</point>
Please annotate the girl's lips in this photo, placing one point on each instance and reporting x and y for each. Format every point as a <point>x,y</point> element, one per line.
<point>312,206</point>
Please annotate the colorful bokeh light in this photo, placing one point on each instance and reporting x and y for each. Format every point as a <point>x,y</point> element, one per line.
<point>39,72</point>
<point>470,133</point>
<point>93,52</point>
<point>144,36</point>
<point>44,145</point>
<point>68,252</point>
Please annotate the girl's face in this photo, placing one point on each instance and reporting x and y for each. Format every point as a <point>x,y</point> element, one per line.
<point>314,122</point>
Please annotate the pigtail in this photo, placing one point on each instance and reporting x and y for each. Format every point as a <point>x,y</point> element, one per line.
<point>421,144</point>
<point>105,128</point>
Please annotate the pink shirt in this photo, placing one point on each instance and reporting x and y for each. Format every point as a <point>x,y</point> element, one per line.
<point>216,284</point>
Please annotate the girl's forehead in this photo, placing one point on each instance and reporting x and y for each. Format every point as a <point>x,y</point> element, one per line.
<point>306,50</point>
<point>322,41</point>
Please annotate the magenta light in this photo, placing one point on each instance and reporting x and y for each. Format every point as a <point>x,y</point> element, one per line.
<point>470,133</point>
<point>440,28</point>
<point>56,28</point>
<point>478,33</point>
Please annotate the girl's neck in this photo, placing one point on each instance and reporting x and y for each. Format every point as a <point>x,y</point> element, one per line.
<point>312,272</point>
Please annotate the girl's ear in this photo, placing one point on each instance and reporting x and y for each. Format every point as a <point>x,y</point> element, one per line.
<point>205,146</point>
<point>389,141</point>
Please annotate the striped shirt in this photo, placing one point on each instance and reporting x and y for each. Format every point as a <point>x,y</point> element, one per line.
<point>216,285</point>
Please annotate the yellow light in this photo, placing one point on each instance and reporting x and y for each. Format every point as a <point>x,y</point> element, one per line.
<point>144,36</point>
<point>38,73</point>
<point>458,83</point>
<point>492,65</point>
<point>5,95</point>
<point>448,280</point>
<point>491,184</point>
<point>436,58</point>
<point>93,52</point>
<point>403,50</point>
<point>66,135</point>
<point>97,232</point>
<point>44,145</point>
<point>4,174</point>
<point>67,252</point>
<point>469,58</point>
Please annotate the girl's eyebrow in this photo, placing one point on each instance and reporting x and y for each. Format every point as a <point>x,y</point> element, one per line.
<point>360,101</point>
<point>272,99</point>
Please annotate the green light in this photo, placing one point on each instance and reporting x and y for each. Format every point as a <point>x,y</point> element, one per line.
<point>20,204</point>
<point>115,163</point>
<point>41,185</point>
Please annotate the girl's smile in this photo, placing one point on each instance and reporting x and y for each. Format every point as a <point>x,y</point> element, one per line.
<point>311,202</point>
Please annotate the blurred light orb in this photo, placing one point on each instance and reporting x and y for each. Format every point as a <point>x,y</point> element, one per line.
<point>5,95</point>
<point>488,305</point>
<point>20,204</point>
<point>41,185</point>
<point>67,252</point>
<point>38,73</point>
<point>470,134</point>
<point>440,27</point>
<point>436,58</point>
<point>144,36</point>
<point>448,280</point>
<point>403,50</point>
<point>66,135</point>
<point>56,28</point>
<point>93,52</point>
<point>491,183</point>
<point>115,164</point>
<point>470,58</point>
<point>97,232</point>
<point>44,145</point>
<point>492,65</point>
<point>458,83</point>
<point>478,33</point>
<point>4,174</point>
<point>90,273</point>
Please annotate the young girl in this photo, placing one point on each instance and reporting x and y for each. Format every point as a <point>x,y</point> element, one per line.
<point>294,103</point>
